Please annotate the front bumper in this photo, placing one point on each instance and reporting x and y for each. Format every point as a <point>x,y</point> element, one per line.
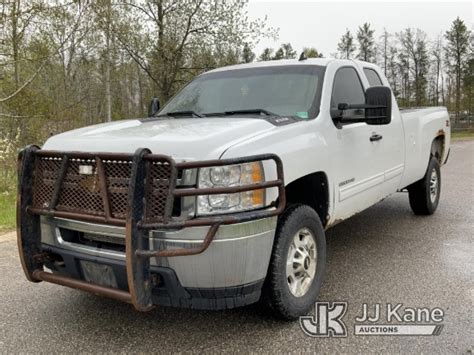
<point>144,248</point>
<point>238,255</point>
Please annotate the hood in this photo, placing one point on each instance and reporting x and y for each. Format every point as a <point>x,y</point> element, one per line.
<point>183,138</point>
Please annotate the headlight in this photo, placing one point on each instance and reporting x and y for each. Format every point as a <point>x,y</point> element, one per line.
<point>227,176</point>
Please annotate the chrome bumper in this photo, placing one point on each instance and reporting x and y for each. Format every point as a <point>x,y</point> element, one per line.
<point>239,254</point>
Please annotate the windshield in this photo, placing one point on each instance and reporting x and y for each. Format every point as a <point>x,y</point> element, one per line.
<point>291,90</point>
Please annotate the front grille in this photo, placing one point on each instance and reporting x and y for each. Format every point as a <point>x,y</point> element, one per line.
<point>81,188</point>
<point>157,187</point>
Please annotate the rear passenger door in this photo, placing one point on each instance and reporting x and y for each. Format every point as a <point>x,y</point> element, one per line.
<point>357,161</point>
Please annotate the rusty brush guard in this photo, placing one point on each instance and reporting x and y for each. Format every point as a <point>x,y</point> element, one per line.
<point>135,191</point>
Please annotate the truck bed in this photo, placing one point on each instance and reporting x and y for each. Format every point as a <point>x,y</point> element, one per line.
<point>421,124</point>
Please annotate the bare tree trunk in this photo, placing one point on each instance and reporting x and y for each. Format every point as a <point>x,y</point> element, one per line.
<point>437,84</point>
<point>140,90</point>
<point>15,44</point>
<point>108,94</point>
<point>385,44</point>
<point>442,90</point>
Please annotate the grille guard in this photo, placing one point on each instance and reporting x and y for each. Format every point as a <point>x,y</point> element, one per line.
<point>137,222</point>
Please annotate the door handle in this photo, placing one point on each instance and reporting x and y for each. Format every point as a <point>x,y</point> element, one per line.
<point>375,137</point>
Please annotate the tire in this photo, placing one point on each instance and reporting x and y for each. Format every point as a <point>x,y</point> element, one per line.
<point>424,194</point>
<point>282,301</point>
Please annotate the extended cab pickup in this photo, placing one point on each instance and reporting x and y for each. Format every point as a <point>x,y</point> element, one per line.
<point>222,197</point>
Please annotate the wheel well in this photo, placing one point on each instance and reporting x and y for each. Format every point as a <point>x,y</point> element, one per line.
<point>437,147</point>
<point>311,190</point>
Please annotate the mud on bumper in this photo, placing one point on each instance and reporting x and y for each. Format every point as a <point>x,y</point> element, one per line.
<point>142,201</point>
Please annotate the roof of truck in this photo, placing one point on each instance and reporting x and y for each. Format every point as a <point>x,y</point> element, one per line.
<point>271,63</point>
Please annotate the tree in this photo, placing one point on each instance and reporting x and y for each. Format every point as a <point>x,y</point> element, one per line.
<point>179,29</point>
<point>468,81</point>
<point>288,51</point>
<point>456,51</point>
<point>104,17</point>
<point>312,53</point>
<point>437,54</point>
<point>279,54</point>
<point>266,55</point>
<point>285,51</point>
<point>392,72</point>
<point>247,55</point>
<point>385,49</point>
<point>403,64</point>
<point>346,46</point>
<point>416,60</point>
<point>365,37</point>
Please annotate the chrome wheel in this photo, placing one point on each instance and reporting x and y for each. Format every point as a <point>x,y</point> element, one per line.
<point>301,262</point>
<point>433,186</point>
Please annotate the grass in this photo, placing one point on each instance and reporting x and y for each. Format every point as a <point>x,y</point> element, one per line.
<point>7,211</point>
<point>462,135</point>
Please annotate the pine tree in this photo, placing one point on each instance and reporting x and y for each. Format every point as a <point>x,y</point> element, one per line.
<point>248,55</point>
<point>456,50</point>
<point>312,53</point>
<point>346,46</point>
<point>266,55</point>
<point>285,51</point>
<point>365,37</point>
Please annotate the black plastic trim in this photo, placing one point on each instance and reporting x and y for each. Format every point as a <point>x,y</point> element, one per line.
<point>169,291</point>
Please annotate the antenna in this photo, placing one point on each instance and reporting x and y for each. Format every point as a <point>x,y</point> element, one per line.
<point>302,56</point>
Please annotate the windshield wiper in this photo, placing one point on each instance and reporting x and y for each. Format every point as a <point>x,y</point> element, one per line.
<point>258,111</point>
<point>181,113</point>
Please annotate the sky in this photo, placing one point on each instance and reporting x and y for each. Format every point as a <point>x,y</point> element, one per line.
<point>321,24</point>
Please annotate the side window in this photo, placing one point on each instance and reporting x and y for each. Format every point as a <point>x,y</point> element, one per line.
<point>372,77</point>
<point>347,88</point>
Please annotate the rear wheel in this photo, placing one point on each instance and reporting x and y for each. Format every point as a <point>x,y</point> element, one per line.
<point>424,194</point>
<point>297,266</point>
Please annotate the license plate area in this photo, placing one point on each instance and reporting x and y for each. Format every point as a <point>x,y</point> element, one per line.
<point>99,274</point>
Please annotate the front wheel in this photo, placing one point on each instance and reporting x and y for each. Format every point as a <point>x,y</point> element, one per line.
<point>424,194</point>
<point>297,265</point>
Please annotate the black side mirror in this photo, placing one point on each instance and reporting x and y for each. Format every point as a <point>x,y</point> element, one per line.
<point>154,107</point>
<point>378,101</point>
<point>378,108</point>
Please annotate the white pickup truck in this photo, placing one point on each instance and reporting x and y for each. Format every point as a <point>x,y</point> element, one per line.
<point>221,198</point>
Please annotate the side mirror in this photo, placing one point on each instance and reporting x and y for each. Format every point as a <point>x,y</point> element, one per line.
<point>154,107</point>
<point>378,109</point>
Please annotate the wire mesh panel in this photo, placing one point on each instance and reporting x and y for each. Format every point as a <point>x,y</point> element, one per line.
<point>118,174</point>
<point>158,199</point>
<point>46,171</point>
<point>80,190</point>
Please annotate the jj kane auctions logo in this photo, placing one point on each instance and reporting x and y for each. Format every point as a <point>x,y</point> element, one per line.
<point>378,319</point>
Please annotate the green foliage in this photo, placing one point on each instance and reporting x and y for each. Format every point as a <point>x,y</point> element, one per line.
<point>312,53</point>
<point>365,37</point>
<point>68,64</point>
<point>415,62</point>
<point>7,211</point>
<point>248,55</point>
<point>285,51</point>
<point>346,46</point>
<point>457,52</point>
<point>267,54</point>
<point>462,135</point>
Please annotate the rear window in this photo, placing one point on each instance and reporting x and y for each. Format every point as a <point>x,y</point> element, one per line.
<point>372,77</point>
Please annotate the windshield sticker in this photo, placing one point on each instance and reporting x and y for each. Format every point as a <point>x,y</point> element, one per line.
<point>302,114</point>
